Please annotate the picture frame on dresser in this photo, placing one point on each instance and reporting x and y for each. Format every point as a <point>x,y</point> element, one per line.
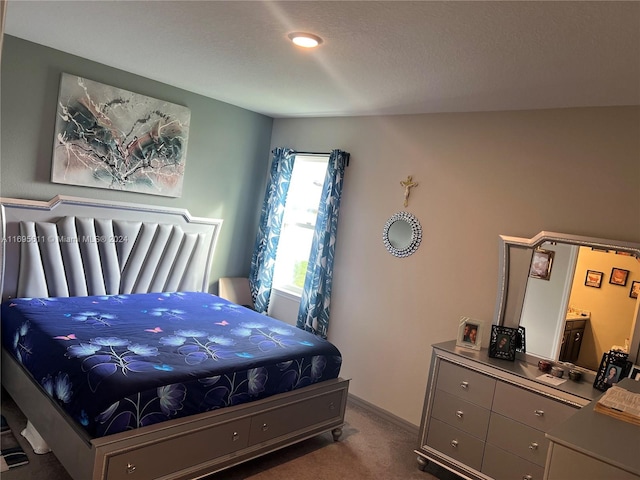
<point>614,366</point>
<point>470,333</point>
<point>635,373</point>
<point>503,342</point>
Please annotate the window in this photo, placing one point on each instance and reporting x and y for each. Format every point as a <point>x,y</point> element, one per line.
<point>299,222</point>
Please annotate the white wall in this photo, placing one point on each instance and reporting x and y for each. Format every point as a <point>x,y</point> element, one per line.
<point>480,175</point>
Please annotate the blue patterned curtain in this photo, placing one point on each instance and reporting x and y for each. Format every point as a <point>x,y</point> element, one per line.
<point>264,254</point>
<point>313,314</point>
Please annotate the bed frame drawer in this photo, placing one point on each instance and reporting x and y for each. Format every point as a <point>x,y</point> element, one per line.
<point>295,418</point>
<point>170,456</point>
<point>472,386</point>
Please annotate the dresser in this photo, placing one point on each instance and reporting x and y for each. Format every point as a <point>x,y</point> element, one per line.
<point>485,418</point>
<point>593,446</point>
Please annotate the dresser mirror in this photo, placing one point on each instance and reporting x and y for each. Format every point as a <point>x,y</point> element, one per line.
<point>402,234</point>
<point>582,308</point>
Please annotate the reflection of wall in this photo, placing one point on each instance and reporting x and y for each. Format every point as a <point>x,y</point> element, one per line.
<point>611,307</point>
<point>543,301</point>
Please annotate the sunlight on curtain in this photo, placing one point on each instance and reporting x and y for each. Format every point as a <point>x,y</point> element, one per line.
<point>264,253</point>
<point>313,314</point>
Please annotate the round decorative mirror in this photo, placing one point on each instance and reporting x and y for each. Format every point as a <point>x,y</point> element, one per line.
<point>402,234</point>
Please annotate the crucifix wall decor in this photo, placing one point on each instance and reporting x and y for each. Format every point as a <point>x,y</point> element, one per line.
<point>408,184</point>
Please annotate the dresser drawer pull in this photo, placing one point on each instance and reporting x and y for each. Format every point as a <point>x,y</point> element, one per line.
<point>454,443</point>
<point>527,477</point>
<point>265,427</point>
<point>459,414</point>
<point>236,436</point>
<point>538,413</point>
<point>464,385</point>
<point>131,468</point>
<point>533,446</point>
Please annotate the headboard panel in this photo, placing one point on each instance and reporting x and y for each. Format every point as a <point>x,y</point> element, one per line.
<point>76,247</point>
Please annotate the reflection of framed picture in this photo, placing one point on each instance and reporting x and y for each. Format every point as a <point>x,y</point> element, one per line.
<point>541,264</point>
<point>613,367</point>
<point>635,289</point>
<point>469,333</point>
<point>503,343</point>
<point>593,279</point>
<point>635,373</point>
<point>619,276</point>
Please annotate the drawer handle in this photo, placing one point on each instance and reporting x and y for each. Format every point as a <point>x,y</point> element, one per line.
<point>459,414</point>
<point>464,385</point>
<point>454,443</point>
<point>332,406</point>
<point>131,468</point>
<point>527,477</point>
<point>538,413</point>
<point>265,427</point>
<point>236,436</point>
<point>533,446</point>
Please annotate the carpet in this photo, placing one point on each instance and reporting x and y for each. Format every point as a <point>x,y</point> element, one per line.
<point>11,453</point>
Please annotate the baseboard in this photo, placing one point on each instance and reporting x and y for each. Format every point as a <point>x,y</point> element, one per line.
<point>390,417</point>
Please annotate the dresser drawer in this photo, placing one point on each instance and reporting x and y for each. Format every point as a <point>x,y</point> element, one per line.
<point>296,417</point>
<point>530,408</point>
<point>455,443</point>
<point>461,414</point>
<point>471,386</point>
<point>170,456</point>
<point>526,442</point>
<point>502,465</point>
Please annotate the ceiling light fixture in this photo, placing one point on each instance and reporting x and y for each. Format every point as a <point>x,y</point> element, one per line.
<point>306,40</point>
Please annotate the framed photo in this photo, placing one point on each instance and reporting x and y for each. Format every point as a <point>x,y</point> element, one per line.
<point>635,289</point>
<point>614,366</point>
<point>593,279</point>
<point>619,276</point>
<point>635,373</point>
<point>520,341</point>
<point>541,264</point>
<point>503,343</point>
<point>470,333</point>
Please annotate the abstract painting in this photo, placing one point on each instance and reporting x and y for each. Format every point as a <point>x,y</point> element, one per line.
<point>111,138</point>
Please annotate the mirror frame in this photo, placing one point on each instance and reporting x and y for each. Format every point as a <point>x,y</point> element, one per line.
<point>416,234</point>
<point>507,242</point>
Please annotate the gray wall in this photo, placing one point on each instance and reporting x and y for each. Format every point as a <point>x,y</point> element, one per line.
<point>480,175</point>
<point>227,154</point>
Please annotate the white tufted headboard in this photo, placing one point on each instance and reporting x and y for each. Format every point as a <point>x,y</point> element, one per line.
<point>73,246</point>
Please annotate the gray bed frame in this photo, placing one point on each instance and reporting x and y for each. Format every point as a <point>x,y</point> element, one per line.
<point>72,246</point>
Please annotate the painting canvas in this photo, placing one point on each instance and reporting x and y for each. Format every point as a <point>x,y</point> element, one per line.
<point>111,138</point>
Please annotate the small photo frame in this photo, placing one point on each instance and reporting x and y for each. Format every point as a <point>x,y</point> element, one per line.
<point>503,343</point>
<point>470,333</point>
<point>619,276</point>
<point>614,366</point>
<point>635,289</point>
<point>593,279</point>
<point>635,373</point>
<point>520,341</point>
<point>541,264</point>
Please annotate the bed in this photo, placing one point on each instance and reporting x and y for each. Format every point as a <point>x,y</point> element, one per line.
<point>117,288</point>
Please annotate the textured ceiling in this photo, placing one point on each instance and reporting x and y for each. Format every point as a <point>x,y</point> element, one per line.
<point>377,57</point>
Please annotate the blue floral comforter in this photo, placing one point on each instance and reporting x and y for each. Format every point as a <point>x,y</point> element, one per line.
<point>120,362</point>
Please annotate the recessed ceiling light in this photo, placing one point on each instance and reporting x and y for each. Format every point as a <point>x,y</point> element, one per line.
<point>306,40</point>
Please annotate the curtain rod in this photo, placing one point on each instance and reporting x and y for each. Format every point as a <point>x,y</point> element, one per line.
<point>320,154</point>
